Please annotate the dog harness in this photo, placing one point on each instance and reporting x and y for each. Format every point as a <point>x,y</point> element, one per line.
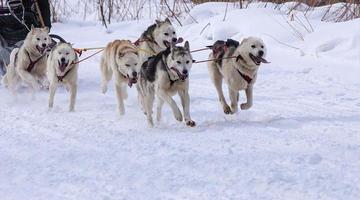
<point>33,63</point>
<point>245,77</point>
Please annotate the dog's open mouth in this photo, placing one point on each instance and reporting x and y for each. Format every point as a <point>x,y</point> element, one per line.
<point>181,75</point>
<point>167,43</point>
<point>63,65</point>
<point>40,49</point>
<point>132,81</point>
<point>257,59</point>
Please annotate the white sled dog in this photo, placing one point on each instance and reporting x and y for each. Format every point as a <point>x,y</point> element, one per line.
<point>156,38</point>
<point>239,73</point>
<point>62,68</point>
<point>28,63</point>
<point>163,76</point>
<point>120,58</point>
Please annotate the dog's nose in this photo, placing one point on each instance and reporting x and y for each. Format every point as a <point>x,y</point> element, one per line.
<point>63,60</point>
<point>261,53</point>
<point>174,39</point>
<point>134,74</point>
<point>185,72</point>
<point>43,45</point>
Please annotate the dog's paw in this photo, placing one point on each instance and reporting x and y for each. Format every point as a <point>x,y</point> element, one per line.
<point>150,123</point>
<point>190,123</point>
<point>71,109</point>
<point>245,106</point>
<point>234,109</point>
<point>227,110</point>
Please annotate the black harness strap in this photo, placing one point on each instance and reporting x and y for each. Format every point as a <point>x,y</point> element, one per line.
<point>32,63</point>
<point>61,78</point>
<point>245,77</point>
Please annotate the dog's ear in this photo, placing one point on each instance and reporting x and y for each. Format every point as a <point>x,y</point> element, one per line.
<point>167,20</point>
<point>32,28</point>
<point>243,41</point>
<point>46,29</point>
<point>158,22</point>
<point>187,46</point>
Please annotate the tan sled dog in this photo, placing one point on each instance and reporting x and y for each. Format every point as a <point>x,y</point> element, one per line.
<point>239,73</point>
<point>120,58</point>
<point>62,68</point>
<point>28,63</point>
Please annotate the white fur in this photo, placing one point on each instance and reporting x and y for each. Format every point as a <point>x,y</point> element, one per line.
<point>229,72</point>
<point>63,51</point>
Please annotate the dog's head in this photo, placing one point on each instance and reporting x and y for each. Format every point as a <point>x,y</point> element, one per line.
<point>38,39</point>
<point>64,55</point>
<point>180,61</point>
<point>252,51</point>
<point>164,34</point>
<point>128,63</point>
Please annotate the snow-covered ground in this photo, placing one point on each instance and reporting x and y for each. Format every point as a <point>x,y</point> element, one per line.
<point>301,139</point>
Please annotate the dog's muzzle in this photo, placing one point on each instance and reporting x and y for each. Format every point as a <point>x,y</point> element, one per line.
<point>181,75</point>
<point>258,59</point>
<point>40,49</point>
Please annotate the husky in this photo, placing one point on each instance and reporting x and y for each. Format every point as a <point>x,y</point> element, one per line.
<point>62,68</point>
<point>156,38</point>
<point>240,73</point>
<point>163,76</point>
<point>120,58</point>
<point>28,63</point>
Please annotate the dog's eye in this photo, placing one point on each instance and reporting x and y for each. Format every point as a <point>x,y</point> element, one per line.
<point>166,34</point>
<point>187,62</point>
<point>174,32</point>
<point>38,39</point>
<point>45,39</point>
<point>127,65</point>
<point>67,53</point>
<point>135,64</point>
<point>253,46</point>
<point>262,46</point>
<point>178,62</point>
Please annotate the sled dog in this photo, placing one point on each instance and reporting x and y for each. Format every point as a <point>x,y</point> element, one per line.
<point>239,73</point>
<point>164,75</point>
<point>156,38</point>
<point>62,68</point>
<point>28,63</point>
<point>120,58</point>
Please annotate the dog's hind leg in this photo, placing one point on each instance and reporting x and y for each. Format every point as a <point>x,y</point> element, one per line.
<point>177,113</point>
<point>249,98</point>
<point>160,104</point>
<point>185,101</point>
<point>216,78</point>
<point>73,92</point>
<point>234,97</point>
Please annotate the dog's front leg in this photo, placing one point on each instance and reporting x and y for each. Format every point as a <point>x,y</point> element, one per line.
<point>148,100</point>
<point>160,104</point>
<point>53,86</point>
<point>185,101</point>
<point>28,78</point>
<point>164,96</point>
<point>234,97</point>
<point>249,98</point>
<point>73,91</point>
<point>119,93</point>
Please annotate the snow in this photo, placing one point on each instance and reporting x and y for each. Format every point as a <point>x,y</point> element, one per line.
<point>300,140</point>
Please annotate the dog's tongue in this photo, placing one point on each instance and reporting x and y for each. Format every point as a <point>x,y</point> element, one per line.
<point>132,81</point>
<point>261,59</point>
<point>62,66</point>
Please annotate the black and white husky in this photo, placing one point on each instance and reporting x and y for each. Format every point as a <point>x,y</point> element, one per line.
<point>163,76</point>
